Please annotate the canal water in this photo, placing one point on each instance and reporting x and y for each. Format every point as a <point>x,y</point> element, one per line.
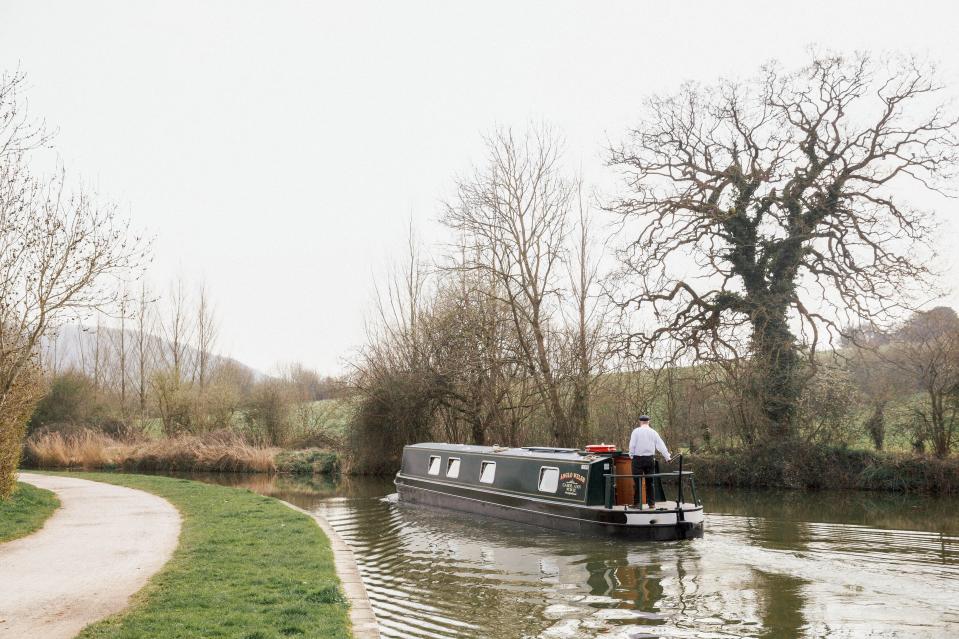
<point>771,564</point>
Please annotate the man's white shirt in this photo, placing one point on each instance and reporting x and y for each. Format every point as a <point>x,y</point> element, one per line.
<point>645,442</point>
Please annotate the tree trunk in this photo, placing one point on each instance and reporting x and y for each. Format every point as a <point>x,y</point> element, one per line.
<point>547,381</point>
<point>876,425</point>
<point>775,372</point>
<point>579,409</point>
<point>477,431</point>
<point>940,431</point>
<point>561,422</point>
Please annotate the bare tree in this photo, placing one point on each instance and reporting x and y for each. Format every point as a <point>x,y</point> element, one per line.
<point>399,307</point>
<point>877,381</point>
<point>512,216</point>
<point>588,342</point>
<point>397,402</point>
<point>763,218</point>
<point>59,252</point>
<point>98,354</point>
<point>475,357</point>
<point>120,343</point>
<point>177,332</point>
<point>144,346</point>
<point>51,357</point>
<point>172,385</point>
<point>926,357</point>
<point>206,332</point>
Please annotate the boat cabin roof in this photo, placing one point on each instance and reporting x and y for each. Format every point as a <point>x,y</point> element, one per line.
<point>531,452</point>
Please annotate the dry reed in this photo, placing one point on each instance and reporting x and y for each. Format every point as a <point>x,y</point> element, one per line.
<point>88,449</point>
<point>85,449</point>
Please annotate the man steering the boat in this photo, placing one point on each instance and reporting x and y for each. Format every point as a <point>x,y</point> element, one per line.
<point>643,444</point>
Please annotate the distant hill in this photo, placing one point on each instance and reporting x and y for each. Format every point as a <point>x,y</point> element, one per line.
<point>81,348</point>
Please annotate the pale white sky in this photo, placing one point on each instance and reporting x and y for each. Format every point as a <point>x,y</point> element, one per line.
<point>277,149</point>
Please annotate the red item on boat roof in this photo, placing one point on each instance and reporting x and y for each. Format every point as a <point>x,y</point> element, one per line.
<point>601,448</point>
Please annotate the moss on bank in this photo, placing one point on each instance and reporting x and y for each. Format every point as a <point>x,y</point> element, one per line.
<point>246,567</point>
<point>25,511</point>
<point>819,467</point>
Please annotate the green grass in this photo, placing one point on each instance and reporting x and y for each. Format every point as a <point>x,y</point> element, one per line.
<point>25,511</point>
<point>247,567</point>
<point>334,414</point>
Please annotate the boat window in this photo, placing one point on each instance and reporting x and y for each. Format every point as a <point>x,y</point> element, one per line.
<point>548,479</point>
<point>453,467</point>
<point>487,472</point>
<point>434,465</point>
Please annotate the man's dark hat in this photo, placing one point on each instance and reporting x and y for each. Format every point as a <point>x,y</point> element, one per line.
<point>644,418</point>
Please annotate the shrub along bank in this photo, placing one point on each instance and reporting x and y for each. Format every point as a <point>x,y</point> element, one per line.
<point>246,566</point>
<point>25,511</point>
<point>310,461</point>
<point>818,467</point>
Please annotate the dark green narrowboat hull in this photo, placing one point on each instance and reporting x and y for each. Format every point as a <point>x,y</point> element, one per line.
<point>568,517</point>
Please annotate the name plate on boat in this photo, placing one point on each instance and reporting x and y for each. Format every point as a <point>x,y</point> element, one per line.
<point>572,484</point>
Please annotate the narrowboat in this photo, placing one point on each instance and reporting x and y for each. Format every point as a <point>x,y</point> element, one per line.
<point>587,491</point>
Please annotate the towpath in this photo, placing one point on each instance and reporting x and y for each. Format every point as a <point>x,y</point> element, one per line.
<point>99,548</point>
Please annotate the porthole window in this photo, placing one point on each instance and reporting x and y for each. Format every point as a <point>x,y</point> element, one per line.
<point>434,465</point>
<point>548,479</point>
<point>487,472</point>
<point>453,467</point>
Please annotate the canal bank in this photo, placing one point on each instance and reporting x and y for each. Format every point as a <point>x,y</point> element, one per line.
<point>246,566</point>
<point>362,618</point>
<point>802,466</point>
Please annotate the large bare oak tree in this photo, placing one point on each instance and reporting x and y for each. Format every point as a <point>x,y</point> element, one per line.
<point>765,217</point>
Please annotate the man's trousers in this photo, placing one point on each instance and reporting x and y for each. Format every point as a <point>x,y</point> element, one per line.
<point>643,465</point>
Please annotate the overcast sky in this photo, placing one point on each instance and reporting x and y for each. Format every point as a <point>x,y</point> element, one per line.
<point>277,150</point>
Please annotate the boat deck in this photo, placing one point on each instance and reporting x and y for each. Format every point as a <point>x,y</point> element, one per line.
<point>660,505</point>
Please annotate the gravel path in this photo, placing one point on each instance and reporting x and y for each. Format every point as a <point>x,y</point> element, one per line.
<point>99,548</point>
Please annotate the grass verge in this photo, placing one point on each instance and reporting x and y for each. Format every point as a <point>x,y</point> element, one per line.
<point>25,511</point>
<point>246,567</point>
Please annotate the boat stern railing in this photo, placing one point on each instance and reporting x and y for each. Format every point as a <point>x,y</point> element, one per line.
<point>681,476</point>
